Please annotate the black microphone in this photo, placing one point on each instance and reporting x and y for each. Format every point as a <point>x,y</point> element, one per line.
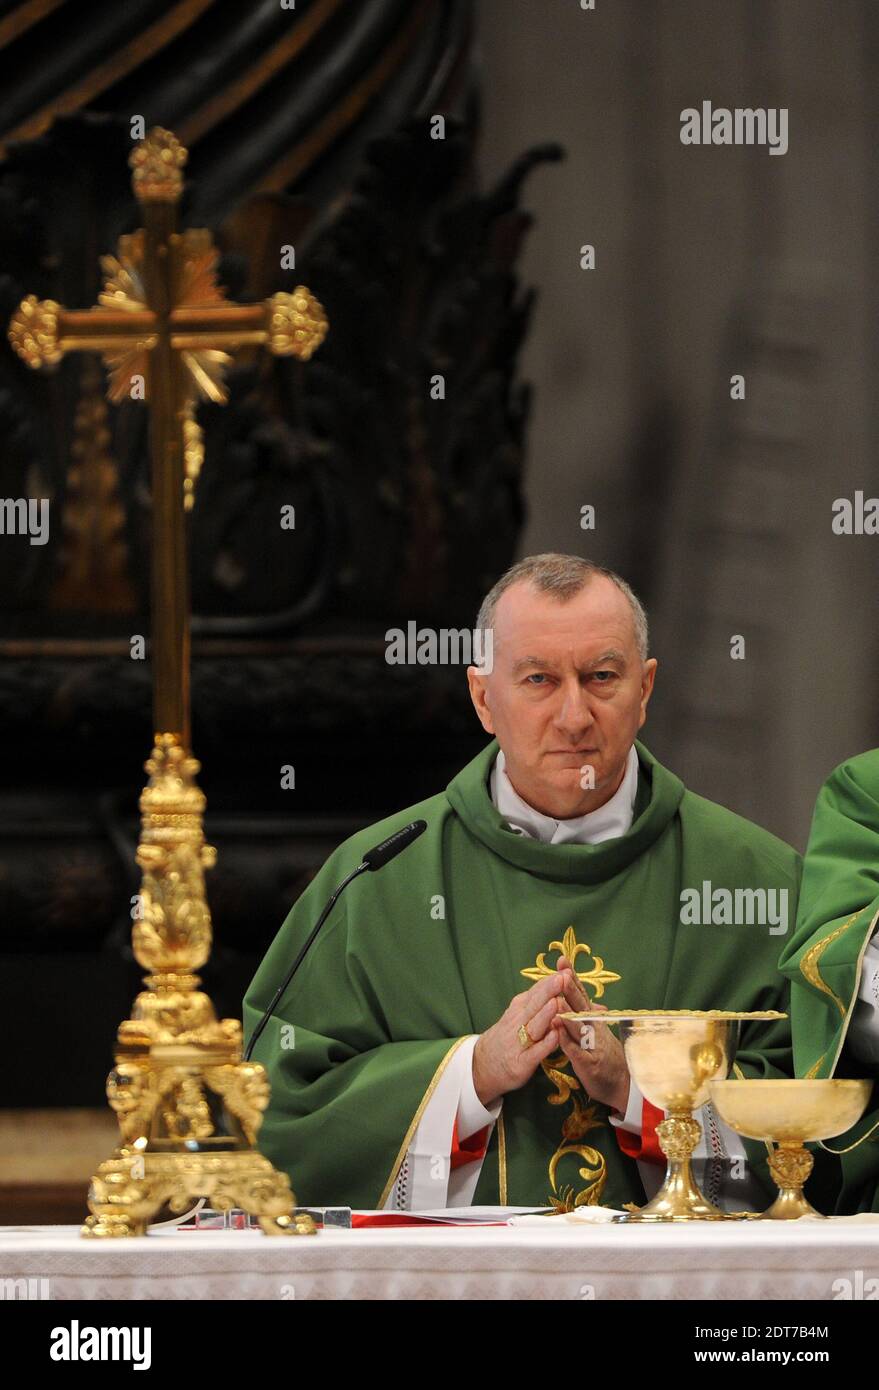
<point>372,860</point>
<point>391,847</point>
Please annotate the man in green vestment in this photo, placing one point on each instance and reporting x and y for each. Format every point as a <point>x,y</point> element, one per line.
<point>417,1058</point>
<point>832,959</point>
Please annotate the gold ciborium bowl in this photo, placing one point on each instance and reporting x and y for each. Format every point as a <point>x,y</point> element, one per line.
<point>790,1114</point>
<point>673,1055</point>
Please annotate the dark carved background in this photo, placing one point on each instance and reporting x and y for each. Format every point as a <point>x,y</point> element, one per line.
<point>308,128</point>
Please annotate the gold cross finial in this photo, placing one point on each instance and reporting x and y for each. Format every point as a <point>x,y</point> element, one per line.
<point>158,163</point>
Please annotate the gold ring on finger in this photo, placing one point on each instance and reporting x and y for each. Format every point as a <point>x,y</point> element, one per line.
<point>525,1038</point>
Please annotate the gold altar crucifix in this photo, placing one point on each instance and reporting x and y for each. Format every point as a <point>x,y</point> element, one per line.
<point>188,1107</point>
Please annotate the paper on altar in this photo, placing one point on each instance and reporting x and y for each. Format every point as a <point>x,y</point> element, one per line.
<point>510,1216</point>
<point>589,1216</point>
<point>855,1219</point>
<point>465,1216</point>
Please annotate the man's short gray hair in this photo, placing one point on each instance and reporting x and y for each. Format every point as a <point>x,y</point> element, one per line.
<point>563,576</point>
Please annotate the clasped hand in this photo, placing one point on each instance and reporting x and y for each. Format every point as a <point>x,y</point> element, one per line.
<point>502,1064</point>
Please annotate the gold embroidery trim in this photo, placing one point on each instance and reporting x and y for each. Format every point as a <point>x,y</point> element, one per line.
<point>502,1161</point>
<point>809,968</point>
<point>570,948</point>
<point>404,1147</point>
<point>809,962</point>
<point>871,1130</point>
<point>815,954</point>
<point>581,1118</point>
<point>867,938</point>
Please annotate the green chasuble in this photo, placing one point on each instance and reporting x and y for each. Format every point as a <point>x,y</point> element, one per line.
<point>430,949</point>
<point>839,905</point>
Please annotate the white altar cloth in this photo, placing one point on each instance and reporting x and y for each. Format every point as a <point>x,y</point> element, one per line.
<point>815,1260</point>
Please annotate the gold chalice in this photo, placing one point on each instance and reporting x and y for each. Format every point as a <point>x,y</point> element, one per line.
<point>672,1055</point>
<point>790,1113</point>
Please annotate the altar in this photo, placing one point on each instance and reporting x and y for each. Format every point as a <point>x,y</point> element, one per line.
<point>786,1262</point>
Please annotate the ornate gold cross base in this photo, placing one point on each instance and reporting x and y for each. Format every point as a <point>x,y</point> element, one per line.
<point>123,1204</point>
<point>189,1109</point>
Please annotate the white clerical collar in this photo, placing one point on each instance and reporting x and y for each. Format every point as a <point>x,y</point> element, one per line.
<point>612,819</point>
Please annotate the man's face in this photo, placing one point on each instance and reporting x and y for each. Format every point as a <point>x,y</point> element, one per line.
<point>567,693</point>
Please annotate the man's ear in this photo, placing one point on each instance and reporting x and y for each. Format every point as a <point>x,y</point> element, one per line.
<point>478,684</point>
<point>648,676</point>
